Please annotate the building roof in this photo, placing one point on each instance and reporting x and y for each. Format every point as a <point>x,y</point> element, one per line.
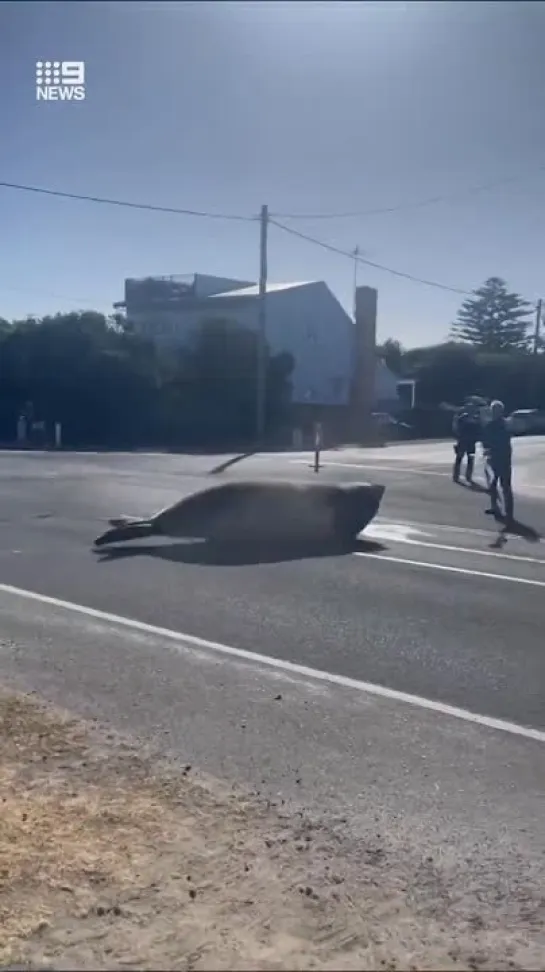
<point>253,291</point>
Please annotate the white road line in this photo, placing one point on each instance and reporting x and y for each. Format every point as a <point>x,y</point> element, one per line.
<point>367,688</point>
<point>437,527</point>
<point>453,570</point>
<point>376,534</point>
<point>369,465</point>
<point>530,489</point>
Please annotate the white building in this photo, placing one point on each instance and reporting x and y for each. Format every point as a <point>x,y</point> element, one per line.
<point>305,319</point>
<point>386,388</point>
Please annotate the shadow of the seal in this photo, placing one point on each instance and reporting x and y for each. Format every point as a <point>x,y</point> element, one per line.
<point>206,553</point>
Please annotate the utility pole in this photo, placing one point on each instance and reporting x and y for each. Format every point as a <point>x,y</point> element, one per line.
<point>355,340</point>
<point>261,382</point>
<point>538,326</point>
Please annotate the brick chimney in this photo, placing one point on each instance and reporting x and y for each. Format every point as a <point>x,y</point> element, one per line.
<point>364,365</point>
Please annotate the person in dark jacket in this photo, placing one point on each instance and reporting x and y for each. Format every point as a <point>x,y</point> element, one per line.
<point>499,456</point>
<point>467,431</point>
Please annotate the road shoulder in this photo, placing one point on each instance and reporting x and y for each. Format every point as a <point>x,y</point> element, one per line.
<point>110,858</point>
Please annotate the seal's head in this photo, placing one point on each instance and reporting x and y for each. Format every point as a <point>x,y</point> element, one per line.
<point>365,501</point>
<point>357,504</point>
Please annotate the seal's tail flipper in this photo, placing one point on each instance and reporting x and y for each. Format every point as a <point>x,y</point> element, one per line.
<point>135,530</point>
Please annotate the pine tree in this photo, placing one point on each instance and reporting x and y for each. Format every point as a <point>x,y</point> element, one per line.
<point>493,319</point>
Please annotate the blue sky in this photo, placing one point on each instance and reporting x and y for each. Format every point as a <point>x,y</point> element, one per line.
<point>308,107</point>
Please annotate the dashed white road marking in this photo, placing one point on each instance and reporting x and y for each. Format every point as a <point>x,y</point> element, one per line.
<point>186,642</point>
<point>453,570</point>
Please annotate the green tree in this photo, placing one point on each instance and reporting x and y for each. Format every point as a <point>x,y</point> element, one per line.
<point>392,353</point>
<point>77,370</point>
<point>448,373</point>
<point>493,319</point>
<point>108,386</point>
<point>215,384</point>
<point>445,373</point>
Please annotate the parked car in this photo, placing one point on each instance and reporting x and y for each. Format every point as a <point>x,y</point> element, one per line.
<point>527,421</point>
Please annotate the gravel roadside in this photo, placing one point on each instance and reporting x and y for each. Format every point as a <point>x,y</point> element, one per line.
<point>109,859</point>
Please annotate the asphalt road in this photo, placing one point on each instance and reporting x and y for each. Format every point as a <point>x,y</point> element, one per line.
<point>290,676</point>
<point>432,610</point>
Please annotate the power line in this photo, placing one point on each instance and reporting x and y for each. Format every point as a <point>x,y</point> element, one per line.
<point>127,204</point>
<point>232,216</point>
<point>431,201</point>
<point>48,293</point>
<point>368,263</point>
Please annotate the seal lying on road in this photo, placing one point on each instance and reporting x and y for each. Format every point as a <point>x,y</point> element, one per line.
<point>259,511</point>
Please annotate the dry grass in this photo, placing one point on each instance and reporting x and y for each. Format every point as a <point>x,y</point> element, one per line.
<point>107,862</point>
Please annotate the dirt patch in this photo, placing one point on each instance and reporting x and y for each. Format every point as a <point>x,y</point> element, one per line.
<point>108,860</point>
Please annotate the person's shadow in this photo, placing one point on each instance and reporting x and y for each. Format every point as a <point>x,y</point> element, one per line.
<point>514,528</point>
<point>472,486</point>
<point>205,553</point>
